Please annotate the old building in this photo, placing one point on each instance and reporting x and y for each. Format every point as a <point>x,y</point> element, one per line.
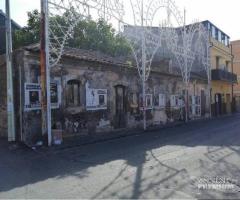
<point>236,70</point>
<point>223,77</point>
<point>92,92</point>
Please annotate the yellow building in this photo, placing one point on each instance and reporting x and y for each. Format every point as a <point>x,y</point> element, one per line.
<point>221,69</point>
<point>236,69</point>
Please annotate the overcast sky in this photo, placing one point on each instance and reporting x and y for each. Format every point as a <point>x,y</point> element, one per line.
<point>224,14</point>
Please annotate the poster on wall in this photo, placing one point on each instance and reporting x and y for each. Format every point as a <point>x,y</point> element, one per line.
<point>33,96</point>
<point>96,99</point>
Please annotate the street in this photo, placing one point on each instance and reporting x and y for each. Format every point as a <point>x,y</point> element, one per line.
<point>179,162</point>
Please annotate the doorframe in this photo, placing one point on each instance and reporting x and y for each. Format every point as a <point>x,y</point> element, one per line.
<point>123,87</point>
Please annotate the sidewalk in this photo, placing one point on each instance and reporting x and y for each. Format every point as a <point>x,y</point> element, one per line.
<point>100,137</point>
<point>77,140</point>
<point>81,140</point>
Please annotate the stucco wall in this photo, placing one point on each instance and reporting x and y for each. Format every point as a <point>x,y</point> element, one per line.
<point>236,65</point>
<point>77,120</point>
<point>221,87</point>
<point>221,51</point>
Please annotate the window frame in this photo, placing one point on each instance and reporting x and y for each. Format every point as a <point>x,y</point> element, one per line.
<point>176,100</point>
<point>195,105</point>
<point>213,32</point>
<point>71,86</point>
<point>150,96</point>
<point>162,104</point>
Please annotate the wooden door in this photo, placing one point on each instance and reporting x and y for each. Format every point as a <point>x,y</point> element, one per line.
<point>203,103</point>
<point>228,103</point>
<point>120,107</point>
<point>218,104</point>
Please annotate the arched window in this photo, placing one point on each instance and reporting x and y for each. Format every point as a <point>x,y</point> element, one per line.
<point>73,93</point>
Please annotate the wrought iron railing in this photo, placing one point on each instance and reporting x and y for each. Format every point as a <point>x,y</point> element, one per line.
<point>223,75</point>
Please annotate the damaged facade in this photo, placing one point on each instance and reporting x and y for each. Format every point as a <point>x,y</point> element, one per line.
<point>92,92</point>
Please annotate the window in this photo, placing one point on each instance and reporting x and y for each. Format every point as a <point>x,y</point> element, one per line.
<point>209,26</point>
<point>217,62</point>
<point>216,34</point>
<point>195,105</point>
<point>73,93</point>
<point>176,101</point>
<point>162,100</point>
<point>219,36</point>
<point>149,101</point>
<point>213,31</point>
<point>223,39</point>
<point>226,41</point>
<point>133,99</point>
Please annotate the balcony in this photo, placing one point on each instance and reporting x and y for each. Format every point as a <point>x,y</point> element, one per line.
<point>223,75</point>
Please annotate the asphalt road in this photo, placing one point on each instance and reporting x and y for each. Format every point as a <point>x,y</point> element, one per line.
<point>196,161</point>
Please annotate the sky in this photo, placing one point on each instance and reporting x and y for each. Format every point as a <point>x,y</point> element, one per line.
<point>224,14</point>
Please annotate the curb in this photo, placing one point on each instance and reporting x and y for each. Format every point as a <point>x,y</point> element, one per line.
<point>111,136</point>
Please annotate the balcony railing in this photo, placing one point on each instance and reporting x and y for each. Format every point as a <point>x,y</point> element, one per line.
<point>223,75</point>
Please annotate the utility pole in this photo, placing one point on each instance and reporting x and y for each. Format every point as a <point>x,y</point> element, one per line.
<point>10,98</point>
<point>232,59</point>
<point>45,73</point>
<point>143,69</point>
<point>209,49</point>
<point>185,67</point>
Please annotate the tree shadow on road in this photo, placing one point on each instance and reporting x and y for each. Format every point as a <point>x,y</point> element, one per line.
<point>146,166</point>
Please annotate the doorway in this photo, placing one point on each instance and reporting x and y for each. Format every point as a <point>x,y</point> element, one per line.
<point>120,118</point>
<point>228,103</point>
<point>218,104</point>
<point>203,103</point>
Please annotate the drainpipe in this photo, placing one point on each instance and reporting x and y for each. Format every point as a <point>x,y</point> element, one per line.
<point>232,57</point>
